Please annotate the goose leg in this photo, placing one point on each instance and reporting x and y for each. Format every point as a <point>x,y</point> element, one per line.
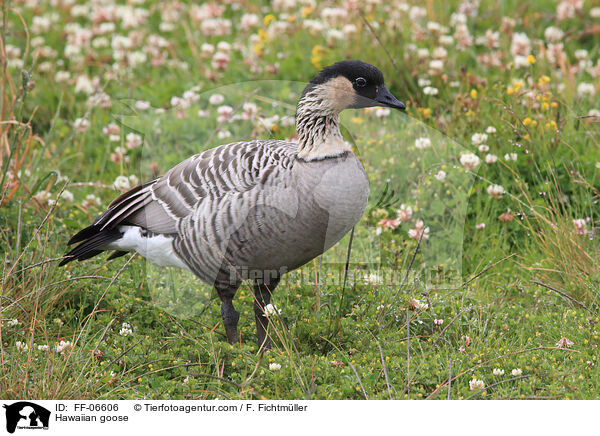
<point>262,297</point>
<point>226,291</point>
<point>230,320</point>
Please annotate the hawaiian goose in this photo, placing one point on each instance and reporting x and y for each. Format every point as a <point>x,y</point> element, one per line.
<point>251,210</point>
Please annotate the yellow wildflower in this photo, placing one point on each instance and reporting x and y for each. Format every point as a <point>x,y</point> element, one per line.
<point>268,19</point>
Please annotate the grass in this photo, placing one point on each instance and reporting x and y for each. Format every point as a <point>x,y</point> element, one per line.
<point>411,320</point>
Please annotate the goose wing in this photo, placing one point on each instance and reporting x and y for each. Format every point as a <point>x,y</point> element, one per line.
<point>160,205</point>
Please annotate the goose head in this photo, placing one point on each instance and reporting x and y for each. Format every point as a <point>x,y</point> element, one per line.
<point>348,84</point>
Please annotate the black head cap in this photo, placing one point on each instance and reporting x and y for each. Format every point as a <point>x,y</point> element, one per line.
<point>366,80</point>
<point>351,70</point>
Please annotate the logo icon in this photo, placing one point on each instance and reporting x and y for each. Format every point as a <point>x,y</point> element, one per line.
<point>26,415</point>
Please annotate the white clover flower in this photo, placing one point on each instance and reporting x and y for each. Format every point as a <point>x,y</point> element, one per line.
<point>433,26</point>
<point>436,66</point>
<point>136,58</point>
<point>423,82</point>
<point>553,34</point>
<point>84,85</point>
<point>440,175</point>
<point>100,42</point>
<point>418,230</point>
<point>479,138</point>
<point>111,129</point>
<point>498,372</point>
<point>491,130</point>
<point>220,60</point>
<point>91,200</point>
<point>62,76</point>
<point>585,89</point>
<point>520,44</point>
<point>469,161</point>
<point>511,156</point>
<point>224,112</point>
<point>67,196</point>
<point>430,90</point>
<point>491,158</point>
<point>122,183</point>
<point>439,53</point>
<point>121,43</point>
<point>404,213</point>
<point>22,346</point>
<point>334,35</point>
<point>483,148</point>
<point>446,40</point>
<point>580,225</point>
<point>249,110</point>
<point>142,105</point>
<point>271,310</point>
<point>581,54</point>
<point>126,330</point>
<point>496,191</point>
<point>133,140</point>
<point>216,99</point>
<point>249,20</point>
<point>44,348</point>
<point>81,125</point>
<point>274,366</point>
<point>372,278</point>
<point>63,346</point>
<point>438,321</point>
<point>349,28</point>
<point>476,384</point>
<point>422,143</point>
<point>480,226</point>
<point>516,372</point>
<point>12,322</point>
<point>565,10</point>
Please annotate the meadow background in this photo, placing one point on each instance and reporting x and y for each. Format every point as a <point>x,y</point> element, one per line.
<point>494,169</point>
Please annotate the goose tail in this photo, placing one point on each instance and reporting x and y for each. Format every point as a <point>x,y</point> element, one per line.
<point>92,241</point>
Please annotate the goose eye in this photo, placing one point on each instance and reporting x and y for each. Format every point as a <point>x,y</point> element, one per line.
<point>360,82</point>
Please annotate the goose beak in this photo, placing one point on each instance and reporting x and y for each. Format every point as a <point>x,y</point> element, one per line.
<point>385,98</point>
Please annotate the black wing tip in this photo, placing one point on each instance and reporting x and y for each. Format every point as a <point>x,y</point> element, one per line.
<point>83,234</point>
<point>66,259</point>
<point>93,242</point>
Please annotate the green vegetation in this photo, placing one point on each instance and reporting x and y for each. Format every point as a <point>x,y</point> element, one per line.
<point>498,156</point>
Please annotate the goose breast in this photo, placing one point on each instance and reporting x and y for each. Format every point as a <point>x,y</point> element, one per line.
<point>299,216</point>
